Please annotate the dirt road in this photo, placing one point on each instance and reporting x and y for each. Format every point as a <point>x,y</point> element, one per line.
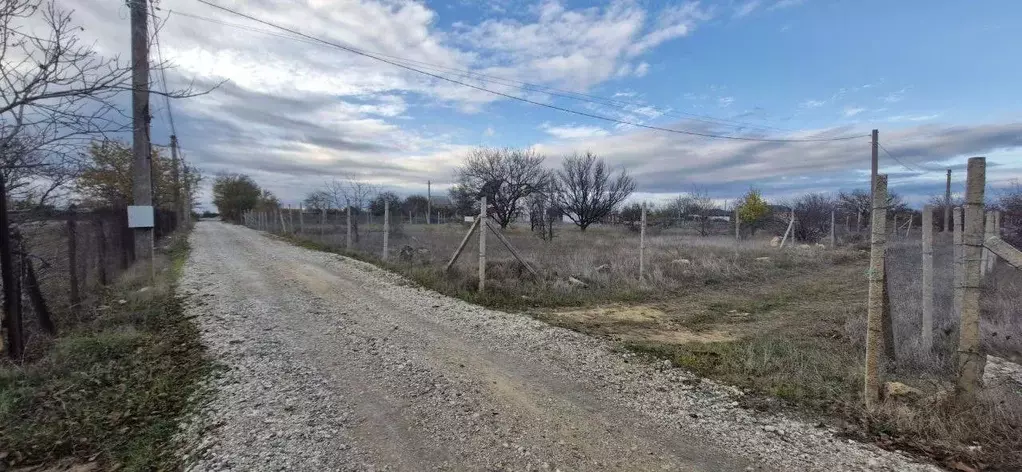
<point>333,364</point>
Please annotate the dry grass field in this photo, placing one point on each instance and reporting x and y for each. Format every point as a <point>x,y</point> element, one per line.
<point>786,325</point>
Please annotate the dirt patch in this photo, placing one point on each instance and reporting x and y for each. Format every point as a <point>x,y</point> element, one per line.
<point>635,323</point>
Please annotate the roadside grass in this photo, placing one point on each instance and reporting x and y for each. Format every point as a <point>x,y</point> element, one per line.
<point>111,388</point>
<point>789,329</point>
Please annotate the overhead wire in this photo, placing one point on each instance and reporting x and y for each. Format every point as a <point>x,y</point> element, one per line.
<point>630,107</point>
<point>163,73</point>
<point>526,100</point>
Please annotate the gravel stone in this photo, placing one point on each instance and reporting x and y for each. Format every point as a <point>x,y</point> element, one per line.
<point>333,364</point>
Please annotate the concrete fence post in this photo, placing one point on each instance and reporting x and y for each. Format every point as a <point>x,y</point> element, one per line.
<point>482,244</point>
<point>347,235</point>
<point>642,243</point>
<point>927,239</point>
<point>833,235</point>
<point>875,304</point>
<point>958,262</point>
<point>386,227</point>
<point>971,361</point>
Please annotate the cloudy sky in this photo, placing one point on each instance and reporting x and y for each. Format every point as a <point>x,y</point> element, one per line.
<point>938,78</point>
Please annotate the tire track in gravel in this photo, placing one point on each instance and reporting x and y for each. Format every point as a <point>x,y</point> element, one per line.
<point>376,374</point>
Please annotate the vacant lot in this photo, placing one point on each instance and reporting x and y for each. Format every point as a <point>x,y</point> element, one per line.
<point>786,324</point>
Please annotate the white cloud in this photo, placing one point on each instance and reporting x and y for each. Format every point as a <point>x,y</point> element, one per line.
<point>641,70</point>
<point>490,132</point>
<point>852,111</point>
<point>812,104</point>
<point>746,8</point>
<point>572,132</point>
<point>928,117</point>
<point>895,97</point>
<point>725,102</point>
<point>786,4</point>
<point>674,22</point>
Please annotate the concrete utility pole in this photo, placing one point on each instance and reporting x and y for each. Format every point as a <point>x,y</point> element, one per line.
<point>176,176</point>
<point>947,203</point>
<point>875,164</point>
<point>142,188</point>
<point>429,200</point>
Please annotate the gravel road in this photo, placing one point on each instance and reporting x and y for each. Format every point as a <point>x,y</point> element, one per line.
<point>334,364</point>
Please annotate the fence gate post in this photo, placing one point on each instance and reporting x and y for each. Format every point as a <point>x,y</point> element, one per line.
<point>642,243</point>
<point>386,226</point>
<point>971,361</point>
<point>927,238</point>
<point>482,244</point>
<point>875,304</point>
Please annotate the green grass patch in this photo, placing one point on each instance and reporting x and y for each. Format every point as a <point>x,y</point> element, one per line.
<point>111,389</point>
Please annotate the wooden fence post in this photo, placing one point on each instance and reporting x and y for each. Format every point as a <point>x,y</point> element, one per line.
<point>101,252</point>
<point>971,361</point>
<point>958,263</point>
<point>386,226</point>
<point>791,225</point>
<point>347,234</point>
<point>738,231</point>
<point>322,223</point>
<point>875,305</point>
<point>642,242</point>
<point>894,228</point>
<point>75,297</point>
<point>301,219</point>
<point>283,226</point>
<point>482,245</point>
<point>908,229</point>
<point>461,247</point>
<point>927,238</point>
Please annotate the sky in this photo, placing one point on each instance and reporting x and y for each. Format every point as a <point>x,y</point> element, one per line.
<point>938,78</point>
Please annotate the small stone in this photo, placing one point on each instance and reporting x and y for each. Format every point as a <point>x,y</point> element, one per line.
<point>681,262</point>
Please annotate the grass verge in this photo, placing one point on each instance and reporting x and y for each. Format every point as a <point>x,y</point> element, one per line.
<point>111,389</point>
<point>788,329</point>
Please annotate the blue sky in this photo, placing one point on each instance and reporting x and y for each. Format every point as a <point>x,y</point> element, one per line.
<point>937,78</point>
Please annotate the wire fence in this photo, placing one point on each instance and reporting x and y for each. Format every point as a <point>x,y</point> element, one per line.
<point>61,262</point>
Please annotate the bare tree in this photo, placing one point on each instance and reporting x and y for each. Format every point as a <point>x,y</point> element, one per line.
<point>505,177</point>
<point>317,200</point>
<point>586,190</point>
<point>353,193</point>
<point>812,216</point>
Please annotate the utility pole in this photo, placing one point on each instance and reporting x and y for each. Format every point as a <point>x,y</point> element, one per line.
<point>947,203</point>
<point>176,176</point>
<point>875,164</point>
<point>429,200</point>
<point>142,189</point>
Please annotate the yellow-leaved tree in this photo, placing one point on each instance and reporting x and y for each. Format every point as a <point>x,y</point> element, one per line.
<point>106,177</point>
<point>753,210</point>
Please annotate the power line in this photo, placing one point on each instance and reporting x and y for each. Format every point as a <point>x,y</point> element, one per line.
<point>163,74</point>
<point>899,161</point>
<point>553,91</point>
<point>526,100</point>
<point>918,167</point>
